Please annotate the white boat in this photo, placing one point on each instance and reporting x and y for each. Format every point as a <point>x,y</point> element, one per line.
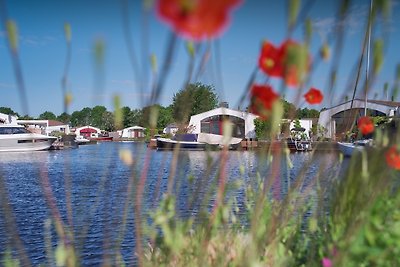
<point>17,138</point>
<point>348,149</point>
<point>80,140</point>
<point>298,140</point>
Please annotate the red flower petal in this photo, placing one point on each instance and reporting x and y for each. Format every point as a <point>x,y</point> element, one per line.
<point>270,61</point>
<point>278,61</point>
<point>262,100</point>
<point>365,125</point>
<point>393,158</point>
<point>196,19</point>
<point>314,96</point>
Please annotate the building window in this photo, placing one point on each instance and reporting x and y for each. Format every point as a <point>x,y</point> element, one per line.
<point>214,125</point>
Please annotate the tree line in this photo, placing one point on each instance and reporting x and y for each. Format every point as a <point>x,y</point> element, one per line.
<point>193,99</point>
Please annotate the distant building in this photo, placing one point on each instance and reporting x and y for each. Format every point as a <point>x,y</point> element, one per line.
<point>45,127</point>
<point>133,132</point>
<point>171,129</point>
<point>87,131</point>
<point>8,119</point>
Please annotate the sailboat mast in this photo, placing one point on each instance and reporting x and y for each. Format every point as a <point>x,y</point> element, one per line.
<point>368,55</point>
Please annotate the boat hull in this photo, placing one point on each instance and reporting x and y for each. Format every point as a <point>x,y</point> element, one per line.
<point>25,142</point>
<point>168,144</point>
<point>101,139</point>
<point>348,149</point>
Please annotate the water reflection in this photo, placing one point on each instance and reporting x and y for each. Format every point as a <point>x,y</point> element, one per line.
<point>97,180</point>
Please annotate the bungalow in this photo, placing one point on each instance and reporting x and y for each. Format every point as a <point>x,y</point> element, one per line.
<point>87,131</point>
<point>133,132</point>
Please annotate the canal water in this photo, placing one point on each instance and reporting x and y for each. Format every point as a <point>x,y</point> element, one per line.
<point>96,181</point>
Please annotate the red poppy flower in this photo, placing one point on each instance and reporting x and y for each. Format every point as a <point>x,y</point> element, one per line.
<point>393,158</point>
<point>262,100</point>
<point>270,60</point>
<point>196,19</point>
<point>365,125</point>
<point>314,96</point>
<point>285,61</point>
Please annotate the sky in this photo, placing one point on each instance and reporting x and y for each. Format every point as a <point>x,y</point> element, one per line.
<point>233,56</point>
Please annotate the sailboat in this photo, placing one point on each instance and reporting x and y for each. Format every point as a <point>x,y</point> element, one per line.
<point>350,148</point>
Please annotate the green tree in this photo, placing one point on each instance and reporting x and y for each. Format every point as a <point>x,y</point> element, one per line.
<point>25,117</point>
<point>194,99</point>
<point>64,117</point>
<point>297,123</point>
<point>307,113</point>
<point>82,117</point>
<point>163,119</point>
<point>127,120</point>
<point>263,128</point>
<point>97,117</point>
<point>47,115</point>
<point>8,111</point>
<point>131,117</point>
<point>107,121</point>
<point>288,109</point>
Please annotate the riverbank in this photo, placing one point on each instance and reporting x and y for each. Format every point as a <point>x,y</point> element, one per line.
<point>265,145</point>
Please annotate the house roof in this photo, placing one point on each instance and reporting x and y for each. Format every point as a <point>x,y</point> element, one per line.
<point>379,102</point>
<point>386,103</point>
<point>135,128</point>
<point>87,129</point>
<point>224,111</point>
<point>56,123</point>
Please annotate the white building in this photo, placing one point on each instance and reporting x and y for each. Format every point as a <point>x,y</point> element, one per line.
<point>304,123</point>
<point>87,131</point>
<point>133,132</point>
<point>211,122</point>
<point>337,119</point>
<point>7,119</point>
<point>171,129</point>
<point>45,127</point>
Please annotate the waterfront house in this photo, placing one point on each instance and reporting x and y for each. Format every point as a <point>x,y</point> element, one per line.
<point>133,132</point>
<point>337,119</point>
<point>45,127</point>
<point>87,131</point>
<point>211,123</point>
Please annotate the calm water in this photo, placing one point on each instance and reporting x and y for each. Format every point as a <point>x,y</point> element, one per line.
<point>98,182</point>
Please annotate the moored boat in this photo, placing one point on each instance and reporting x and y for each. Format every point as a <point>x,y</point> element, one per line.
<point>80,140</point>
<point>16,138</point>
<point>299,145</point>
<point>348,149</point>
<point>183,141</point>
<point>298,140</point>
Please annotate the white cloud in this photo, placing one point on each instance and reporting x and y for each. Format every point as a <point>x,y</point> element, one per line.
<point>35,40</point>
<point>353,22</point>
